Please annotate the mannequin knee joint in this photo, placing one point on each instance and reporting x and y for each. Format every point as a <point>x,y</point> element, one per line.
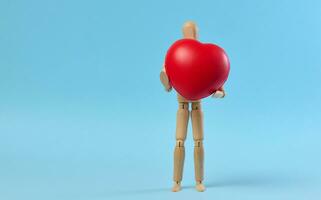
<point>198,143</point>
<point>179,143</point>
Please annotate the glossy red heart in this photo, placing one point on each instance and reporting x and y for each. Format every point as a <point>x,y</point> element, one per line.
<point>196,70</point>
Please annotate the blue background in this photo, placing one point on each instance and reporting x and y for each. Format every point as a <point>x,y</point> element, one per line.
<point>84,116</point>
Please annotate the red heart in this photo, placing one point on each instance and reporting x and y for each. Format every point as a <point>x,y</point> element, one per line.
<point>196,70</point>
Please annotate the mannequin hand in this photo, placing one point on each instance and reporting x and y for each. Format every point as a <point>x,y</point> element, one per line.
<point>219,94</point>
<point>165,81</point>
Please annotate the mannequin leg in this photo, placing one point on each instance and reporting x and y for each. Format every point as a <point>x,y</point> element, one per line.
<point>179,153</point>
<point>197,123</point>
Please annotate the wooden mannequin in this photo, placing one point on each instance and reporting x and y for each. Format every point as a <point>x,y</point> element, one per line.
<point>189,31</point>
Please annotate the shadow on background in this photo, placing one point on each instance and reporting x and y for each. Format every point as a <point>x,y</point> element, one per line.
<point>258,180</point>
<point>138,192</point>
<point>244,180</point>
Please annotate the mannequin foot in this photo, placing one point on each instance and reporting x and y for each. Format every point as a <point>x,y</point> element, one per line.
<point>199,186</point>
<point>176,187</point>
